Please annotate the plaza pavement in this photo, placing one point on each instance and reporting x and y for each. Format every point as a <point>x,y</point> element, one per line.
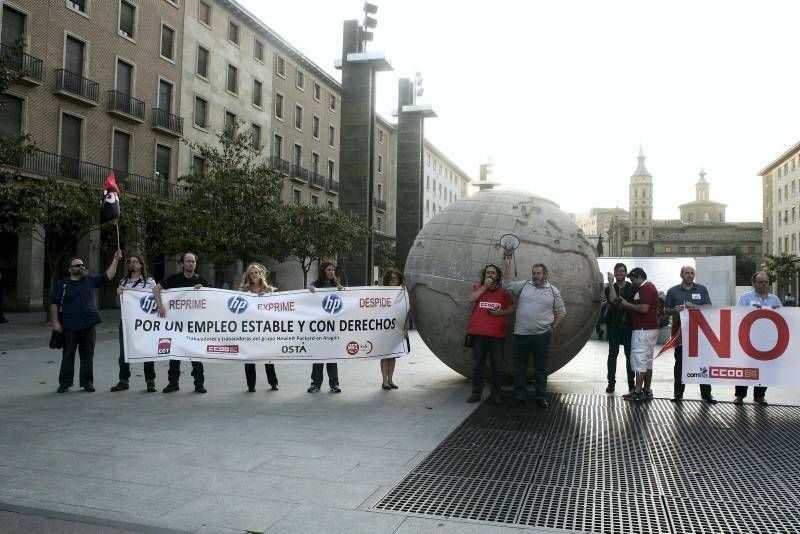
<point>230,461</point>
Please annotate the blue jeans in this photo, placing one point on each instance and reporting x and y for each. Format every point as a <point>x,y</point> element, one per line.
<point>539,345</point>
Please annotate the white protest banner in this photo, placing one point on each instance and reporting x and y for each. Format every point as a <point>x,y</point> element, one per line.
<point>741,345</point>
<point>290,326</point>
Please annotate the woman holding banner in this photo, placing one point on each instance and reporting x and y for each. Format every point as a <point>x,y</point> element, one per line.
<point>392,277</point>
<point>254,280</point>
<point>136,277</point>
<point>326,277</point>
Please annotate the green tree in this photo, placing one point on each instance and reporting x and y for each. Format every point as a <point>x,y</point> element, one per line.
<point>781,268</point>
<point>314,233</point>
<point>385,254</point>
<point>231,210</point>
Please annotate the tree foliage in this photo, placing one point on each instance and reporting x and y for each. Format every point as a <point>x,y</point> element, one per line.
<point>312,233</point>
<point>231,210</point>
<point>781,268</point>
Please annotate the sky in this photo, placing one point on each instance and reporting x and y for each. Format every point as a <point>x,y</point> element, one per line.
<point>561,94</point>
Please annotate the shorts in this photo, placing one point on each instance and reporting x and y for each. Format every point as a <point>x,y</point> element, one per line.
<point>643,343</point>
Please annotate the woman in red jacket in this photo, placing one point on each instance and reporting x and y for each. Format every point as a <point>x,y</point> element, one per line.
<point>487,326</point>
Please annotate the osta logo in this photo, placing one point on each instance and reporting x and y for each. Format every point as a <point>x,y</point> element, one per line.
<point>237,304</point>
<point>332,303</point>
<point>352,348</point>
<point>148,304</point>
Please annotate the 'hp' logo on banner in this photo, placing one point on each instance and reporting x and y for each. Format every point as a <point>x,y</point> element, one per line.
<point>148,304</point>
<point>237,304</point>
<point>332,303</point>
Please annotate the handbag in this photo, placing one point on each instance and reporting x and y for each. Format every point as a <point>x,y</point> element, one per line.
<point>57,338</point>
<point>468,341</point>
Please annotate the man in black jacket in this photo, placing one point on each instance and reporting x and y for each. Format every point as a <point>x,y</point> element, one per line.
<point>618,324</point>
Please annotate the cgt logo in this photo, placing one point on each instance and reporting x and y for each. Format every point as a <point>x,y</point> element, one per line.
<point>164,345</point>
<point>746,373</point>
<point>148,304</point>
<point>354,348</point>
<point>237,304</point>
<point>332,303</point>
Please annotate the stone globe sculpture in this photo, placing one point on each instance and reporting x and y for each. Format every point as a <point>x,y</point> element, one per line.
<point>452,248</point>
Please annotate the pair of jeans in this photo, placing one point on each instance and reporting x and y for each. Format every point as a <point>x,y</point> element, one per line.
<point>125,367</point>
<point>250,374</point>
<point>174,372</point>
<point>539,346</point>
<point>619,336</point>
<point>483,347</point>
<point>758,391</point>
<point>680,387</point>
<point>82,341</point>
<point>333,374</point>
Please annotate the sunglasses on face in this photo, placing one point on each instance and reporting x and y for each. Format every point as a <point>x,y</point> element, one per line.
<point>78,265</point>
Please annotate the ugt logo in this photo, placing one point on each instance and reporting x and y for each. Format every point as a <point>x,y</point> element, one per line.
<point>332,303</point>
<point>148,304</point>
<point>237,304</point>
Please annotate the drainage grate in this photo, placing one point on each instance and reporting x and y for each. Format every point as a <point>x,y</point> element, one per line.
<point>464,498</point>
<point>598,464</point>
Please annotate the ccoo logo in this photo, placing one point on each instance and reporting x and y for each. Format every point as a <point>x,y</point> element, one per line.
<point>148,304</point>
<point>237,304</point>
<point>332,303</point>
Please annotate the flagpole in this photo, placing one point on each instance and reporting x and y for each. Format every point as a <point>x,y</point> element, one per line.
<point>116,225</point>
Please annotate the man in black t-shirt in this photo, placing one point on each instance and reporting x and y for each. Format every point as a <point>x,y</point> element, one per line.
<point>618,324</point>
<point>186,278</point>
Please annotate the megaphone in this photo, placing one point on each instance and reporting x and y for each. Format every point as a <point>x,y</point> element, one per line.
<point>509,243</point>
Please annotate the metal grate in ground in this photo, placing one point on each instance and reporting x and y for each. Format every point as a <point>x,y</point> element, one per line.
<point>599,464</point>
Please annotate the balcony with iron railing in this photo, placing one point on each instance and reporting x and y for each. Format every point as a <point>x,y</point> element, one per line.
<point>48,164</point>
<point>167,123</point>
<point>28,67</point>
<point>125,106</point>
<point>379,204</point>
<point>299,173</point>
<point>76,87</point>
<point>316,180</point>
<point>280,165</point>
<point>333,186</point>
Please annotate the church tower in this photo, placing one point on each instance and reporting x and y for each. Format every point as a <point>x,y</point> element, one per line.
<point>641,210</point>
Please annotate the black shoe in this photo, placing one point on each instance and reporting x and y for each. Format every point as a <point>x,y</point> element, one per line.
<point>251,389</point>
<point>393,386</point>
<point>387,387</point>
<point>170,388</point>
<point>634,396</point>
<point>274,387</point>
<point>761,401</point>
<point>151,387</point>
<point>710,399</point>
<point>121,386</point>
<point>313,388</point>
<point>676,398</point>
<point>518,402</point>
<point>336,389</point>
<point>648,394</point>
<point>610,388</point>
<point>62,389</point>
<point>198,388</point>
<point>542,403</point>
<point>89,388</point>
<point>474,398</point>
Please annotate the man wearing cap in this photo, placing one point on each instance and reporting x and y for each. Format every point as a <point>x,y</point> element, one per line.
<point>644,332</point>
<point>685,295</point>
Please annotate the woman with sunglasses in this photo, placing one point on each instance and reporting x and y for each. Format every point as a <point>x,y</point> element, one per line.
<point>254,280</point>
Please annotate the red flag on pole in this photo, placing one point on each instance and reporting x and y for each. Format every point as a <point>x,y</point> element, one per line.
<point>673,342</point>
<point>109,209</point>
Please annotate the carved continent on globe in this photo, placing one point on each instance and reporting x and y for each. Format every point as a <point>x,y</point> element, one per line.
<point>452,248</point>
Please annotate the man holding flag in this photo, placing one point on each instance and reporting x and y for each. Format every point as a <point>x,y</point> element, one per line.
<point>685,295</point>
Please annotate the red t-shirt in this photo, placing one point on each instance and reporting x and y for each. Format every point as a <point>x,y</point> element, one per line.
<point>646,294</point>
<point>480,322</point>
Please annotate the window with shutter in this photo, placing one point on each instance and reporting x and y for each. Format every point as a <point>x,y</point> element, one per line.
<point>71,136</point>
<point>124,78</point>
<point>13,27</point>
<point>122,147</point>
<point>163,161</point>
<point>73,58</point>
<point>127,15</point>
